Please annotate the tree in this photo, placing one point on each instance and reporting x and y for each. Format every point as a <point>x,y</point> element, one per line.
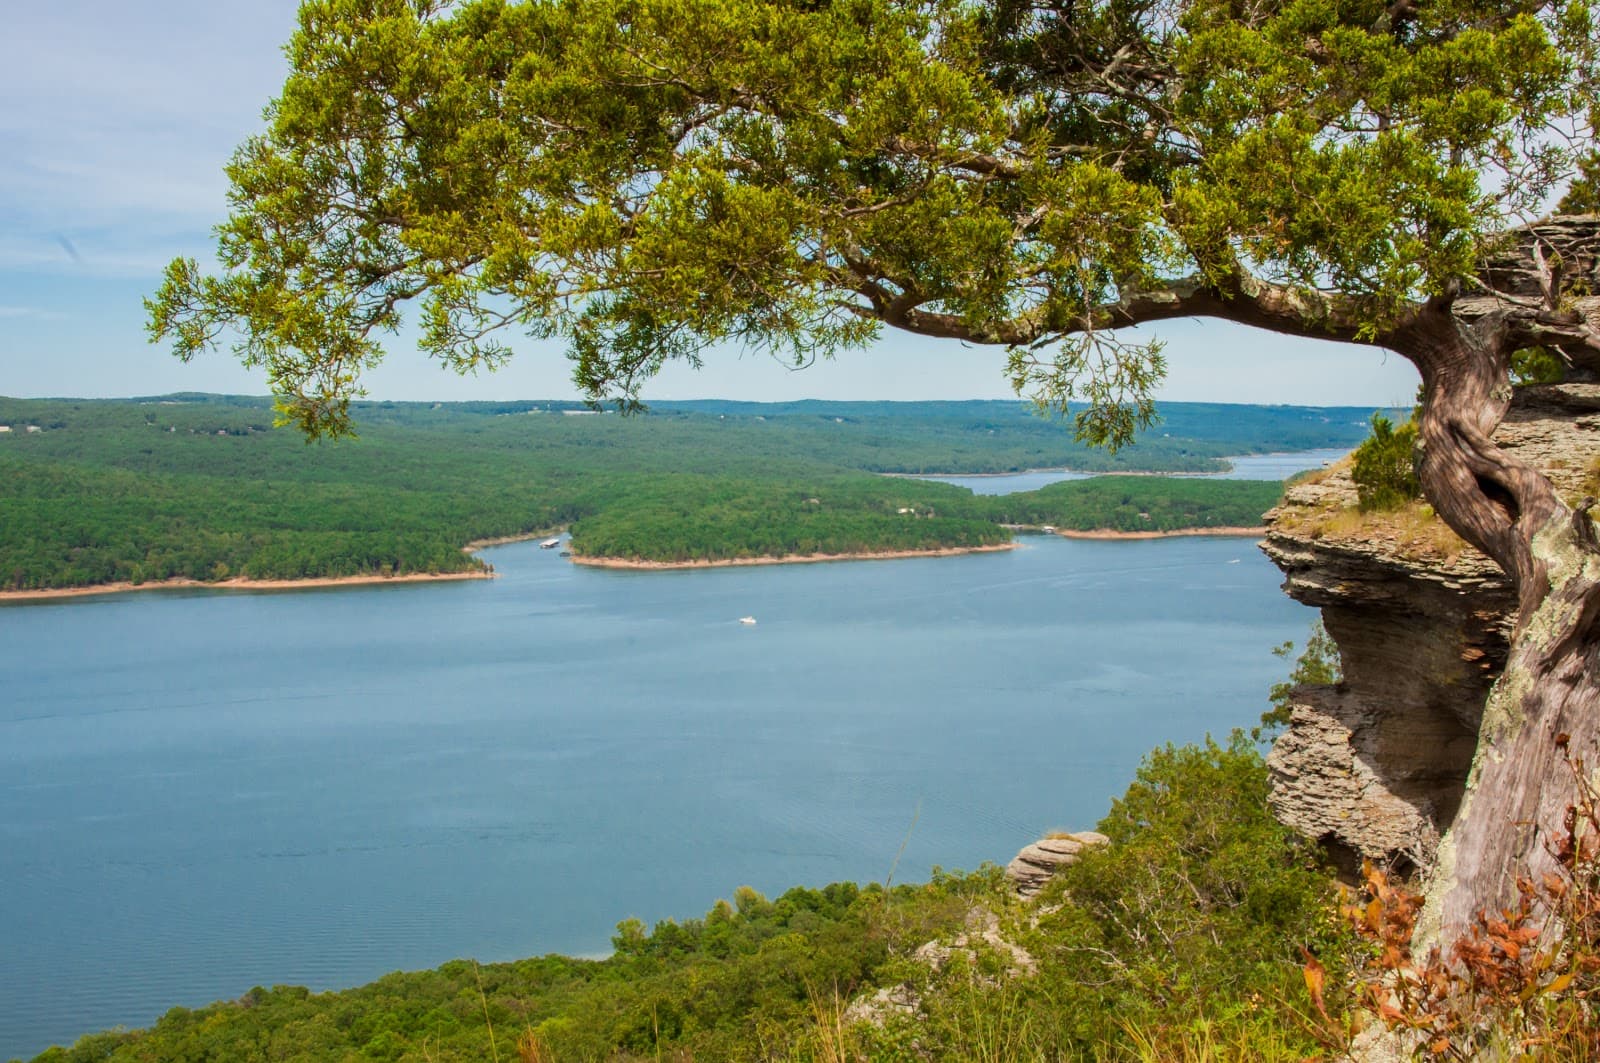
<point>650,177</point>
<point>1382,466</point>
<point>1319,664</point>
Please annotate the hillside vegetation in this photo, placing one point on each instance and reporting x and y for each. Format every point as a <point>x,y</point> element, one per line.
<point>1187,930</point>
<point>202,487</point>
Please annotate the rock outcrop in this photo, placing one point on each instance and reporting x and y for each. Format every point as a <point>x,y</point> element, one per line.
<point>1375,767</point>
<point>1036,863</point>
<point>982,936</point>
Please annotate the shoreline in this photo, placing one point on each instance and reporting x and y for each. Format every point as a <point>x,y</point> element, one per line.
<point>787,559</point>
<point>318,582</point>
<point>475,545</point>
<point>1086,474</point>
<point>47,593</point>
<point>1108,534</point>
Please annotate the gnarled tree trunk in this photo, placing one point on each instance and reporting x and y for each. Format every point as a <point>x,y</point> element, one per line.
<point>1545,708</point>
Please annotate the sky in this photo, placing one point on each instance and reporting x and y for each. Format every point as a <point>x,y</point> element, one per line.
<point>116,120</point>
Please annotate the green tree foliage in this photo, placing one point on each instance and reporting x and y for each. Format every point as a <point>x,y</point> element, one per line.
<point>1139,504</point>
<point>1318,665</point>
<point>1197,910</point>
<point>1536,365</point>
<point>1385,468</point>
<point>1583,196</point>
<point>649,179</point>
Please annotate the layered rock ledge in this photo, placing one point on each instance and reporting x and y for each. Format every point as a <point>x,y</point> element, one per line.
<point>1037,863</point>
<point>1375,767</point>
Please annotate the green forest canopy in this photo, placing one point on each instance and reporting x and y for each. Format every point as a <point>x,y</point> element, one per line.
<point>201,487</point>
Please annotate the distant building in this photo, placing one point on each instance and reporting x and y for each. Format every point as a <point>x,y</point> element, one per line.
<point>34,428</point>
<point>5,428</point>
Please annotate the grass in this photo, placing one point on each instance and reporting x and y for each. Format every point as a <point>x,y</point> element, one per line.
<point>1414,530</point>
<point>1203,1043</point>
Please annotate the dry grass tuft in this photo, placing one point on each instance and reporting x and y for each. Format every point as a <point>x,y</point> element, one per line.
<point>1413,531</point>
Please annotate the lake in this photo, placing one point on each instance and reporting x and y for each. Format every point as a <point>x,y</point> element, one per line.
<point>202,791</point>
<point>1244,467</point>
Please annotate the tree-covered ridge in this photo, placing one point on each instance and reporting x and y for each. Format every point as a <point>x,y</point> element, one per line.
<point>700,518</point>
<point>1139,504</point>
<point>1190,925</point>
<point>202,488</point>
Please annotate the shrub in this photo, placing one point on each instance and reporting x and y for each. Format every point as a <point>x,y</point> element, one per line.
<point>1385,475</point>
<point>1190,928</point>
<point>1317,665</point>
<point>1537,365</point>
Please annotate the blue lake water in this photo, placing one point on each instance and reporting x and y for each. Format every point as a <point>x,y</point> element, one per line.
<point>205,791</point>
<point>1245,467</point>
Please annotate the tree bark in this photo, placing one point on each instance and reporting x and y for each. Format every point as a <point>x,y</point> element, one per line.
<point>1544,709</point>
<point>1543,714</point>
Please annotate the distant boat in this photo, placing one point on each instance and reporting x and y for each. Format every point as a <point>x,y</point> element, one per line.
<point>550,544</point>
<point>747,620</point>
<point>1235,561</point>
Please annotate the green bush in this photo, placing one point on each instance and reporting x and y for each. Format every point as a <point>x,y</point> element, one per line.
<point>1186,937</point>
<point>1384,472</point>
<point>1318,665</point>
<point>1537,365</point>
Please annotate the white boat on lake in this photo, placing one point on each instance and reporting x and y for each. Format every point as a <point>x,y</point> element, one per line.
<point>747,620</point>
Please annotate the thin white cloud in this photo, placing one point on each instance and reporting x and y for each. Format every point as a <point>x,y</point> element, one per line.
<point>100,254</point>
<point>111,119</point>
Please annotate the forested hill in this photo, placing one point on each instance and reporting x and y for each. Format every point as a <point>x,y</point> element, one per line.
<point>203,487</point>
<point>1185,429</point>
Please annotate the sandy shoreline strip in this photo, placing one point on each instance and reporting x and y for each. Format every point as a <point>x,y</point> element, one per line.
<point>526,537</point>
<point>1230,533</point>
<point>787,559</point>
<point>50,593</point>
<point>237,584</point>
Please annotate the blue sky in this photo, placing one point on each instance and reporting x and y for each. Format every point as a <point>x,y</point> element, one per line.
<point>116,120</point>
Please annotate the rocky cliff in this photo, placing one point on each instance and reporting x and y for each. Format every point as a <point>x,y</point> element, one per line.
<point>1375,766</point>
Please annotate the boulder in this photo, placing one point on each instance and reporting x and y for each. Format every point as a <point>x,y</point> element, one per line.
<point>1036,863</point>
